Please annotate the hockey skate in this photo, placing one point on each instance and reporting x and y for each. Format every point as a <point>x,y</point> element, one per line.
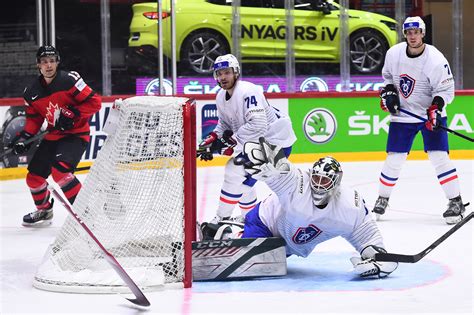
<point>39,218</point>
<point>455,210</point>
<point>380,205</point>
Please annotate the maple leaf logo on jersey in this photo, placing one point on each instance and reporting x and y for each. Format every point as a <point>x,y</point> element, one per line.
<point>306,234</point>
<point>52,113</point>
<point>407,84</point>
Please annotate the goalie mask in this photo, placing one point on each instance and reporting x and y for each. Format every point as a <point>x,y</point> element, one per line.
<point>326,176</point>
<point>414,22</point>
<point>227,61</point>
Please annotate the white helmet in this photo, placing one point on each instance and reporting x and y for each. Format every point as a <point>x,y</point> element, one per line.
<point>326,177</point>
<point>414,22</point>
<point>226,61</point>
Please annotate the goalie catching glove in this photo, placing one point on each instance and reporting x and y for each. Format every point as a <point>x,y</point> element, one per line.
<point>213,144</point>
<point>263,160</point>
<point>366,266</point>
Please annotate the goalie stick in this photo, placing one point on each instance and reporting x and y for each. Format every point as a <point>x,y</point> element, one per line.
<point>140,299</point>
<point>28,141</point>
<point>441,127</point>
<point>414,258</point>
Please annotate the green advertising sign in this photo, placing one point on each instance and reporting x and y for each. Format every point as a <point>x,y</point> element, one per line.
<point>342,124</point>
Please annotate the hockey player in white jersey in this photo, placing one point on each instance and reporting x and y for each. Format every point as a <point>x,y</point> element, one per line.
<point>418,78</point>
<point>243,115</point>
<point>309,207</point>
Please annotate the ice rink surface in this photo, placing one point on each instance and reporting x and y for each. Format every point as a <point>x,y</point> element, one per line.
<point>441,283</point>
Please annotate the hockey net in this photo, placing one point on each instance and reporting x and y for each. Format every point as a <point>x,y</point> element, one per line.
<point>138,200</point>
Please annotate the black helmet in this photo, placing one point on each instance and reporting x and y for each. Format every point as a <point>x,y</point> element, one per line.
<point>47,51</point>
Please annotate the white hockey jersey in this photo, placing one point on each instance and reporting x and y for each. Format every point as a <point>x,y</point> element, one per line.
<point>418,80</point>
<point>248,114</point>
<point>290,213</point>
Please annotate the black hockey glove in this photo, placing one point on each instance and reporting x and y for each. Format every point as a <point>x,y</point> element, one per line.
<point>204,150</point>
<point>67,117</point>
<point>434,114</point>
<point>18,143</point>
<point>212,144</point>
<point>389,99</point>
<point>227,143</point>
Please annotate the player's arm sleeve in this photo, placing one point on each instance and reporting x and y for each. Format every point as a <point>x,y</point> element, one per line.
<point>221,126</point>
<point>256,122</point>
<point>386,70</point>
<point>442,81</point>
<point>365,231</point>
<point>88,101</point>
<point>288,183</point>
<point>33,119</point>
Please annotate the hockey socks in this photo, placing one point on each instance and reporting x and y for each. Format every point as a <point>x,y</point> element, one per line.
<point>390,172</point>
<point>446,173</point>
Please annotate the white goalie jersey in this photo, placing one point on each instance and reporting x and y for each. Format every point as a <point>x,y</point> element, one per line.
<point>290,213</point>
<point>418,80</point>
<point>248,114</point>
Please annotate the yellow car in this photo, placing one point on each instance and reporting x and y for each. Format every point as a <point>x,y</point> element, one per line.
<point>203,32</point>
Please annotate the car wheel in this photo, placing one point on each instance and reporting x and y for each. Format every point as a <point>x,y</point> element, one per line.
<point>367,51</point>
<point>200,50</point>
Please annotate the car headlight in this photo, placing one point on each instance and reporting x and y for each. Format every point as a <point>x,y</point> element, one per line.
<point>390,25</point>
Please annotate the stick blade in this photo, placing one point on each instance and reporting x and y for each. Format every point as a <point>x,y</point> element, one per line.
<point>140,301</point>
<point>396,257</point>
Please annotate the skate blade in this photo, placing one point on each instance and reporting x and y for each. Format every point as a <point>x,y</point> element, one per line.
<point>39,224</point>
<point>453,220</point>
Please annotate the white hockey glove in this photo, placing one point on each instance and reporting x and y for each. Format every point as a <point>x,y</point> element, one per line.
<point>366,266</point>
<point>221,231</point>
<point>265,160</point>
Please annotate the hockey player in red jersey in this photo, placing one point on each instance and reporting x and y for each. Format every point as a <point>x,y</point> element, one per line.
<point>66,102</point>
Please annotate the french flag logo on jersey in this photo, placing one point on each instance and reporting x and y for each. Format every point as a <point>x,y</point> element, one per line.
<point>407,84</point>
<point>306,234</point>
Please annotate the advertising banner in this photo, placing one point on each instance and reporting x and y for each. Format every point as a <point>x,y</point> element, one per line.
<point>359,125</point>
<point>207,85</point>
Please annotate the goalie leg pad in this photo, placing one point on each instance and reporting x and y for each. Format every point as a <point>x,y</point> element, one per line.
<point>239,258</point>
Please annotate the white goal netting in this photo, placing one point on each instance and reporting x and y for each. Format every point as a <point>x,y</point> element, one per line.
<point>133,202</point>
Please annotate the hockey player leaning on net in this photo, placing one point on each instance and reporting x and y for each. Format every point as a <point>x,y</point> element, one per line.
<point>309,207</point>
<point>66,102</point>
<point>244,115</point>
<point>417,78</point>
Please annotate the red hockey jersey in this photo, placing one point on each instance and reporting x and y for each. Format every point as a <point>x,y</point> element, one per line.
<point>44,101</point>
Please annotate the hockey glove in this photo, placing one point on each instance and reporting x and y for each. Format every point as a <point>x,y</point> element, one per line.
<point>265,160</point>
<point>18,143</point>
<point>204,148</point>
<point>389,100</point>
<point>434,114</point>
<point>212,144</point>
<point>366,266</point>
<point>67,117</point>
<point>228,143</point>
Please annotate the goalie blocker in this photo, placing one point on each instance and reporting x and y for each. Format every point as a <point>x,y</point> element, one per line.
<point>238,258</point>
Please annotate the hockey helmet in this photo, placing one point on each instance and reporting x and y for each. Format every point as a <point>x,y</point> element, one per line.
<point>326,176</point>
<point>226,61</point>
<point>414,22</point>
<point>47,51</point>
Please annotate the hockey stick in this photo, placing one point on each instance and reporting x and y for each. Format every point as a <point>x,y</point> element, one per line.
<point>414,258</point>
<point>28,141</point>
<point>84,168</point>
<point>140,297</point>
<point>442,127</point>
